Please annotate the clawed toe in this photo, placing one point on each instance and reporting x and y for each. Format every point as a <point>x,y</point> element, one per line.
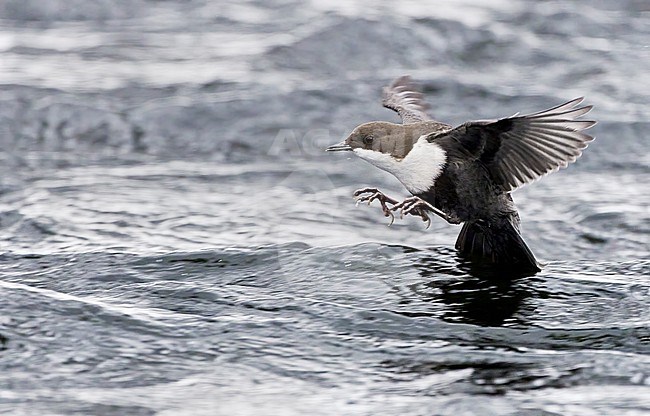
<point>414,206</point>
<point>370,198</point>
<point>410,206</point>
<point>364,191</point>
<point>371,194</point>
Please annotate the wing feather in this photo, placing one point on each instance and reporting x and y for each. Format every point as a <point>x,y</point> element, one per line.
<point>403,97</point>
<point>560,108</point>
<point>521,149</point>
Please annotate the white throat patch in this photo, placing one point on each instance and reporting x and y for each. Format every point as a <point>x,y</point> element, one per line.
<point>417,171</point>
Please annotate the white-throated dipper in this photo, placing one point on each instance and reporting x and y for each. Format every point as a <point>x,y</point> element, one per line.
<point>465,174</point>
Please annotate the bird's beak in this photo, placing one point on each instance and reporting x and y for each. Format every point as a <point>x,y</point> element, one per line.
<point>339,147</point>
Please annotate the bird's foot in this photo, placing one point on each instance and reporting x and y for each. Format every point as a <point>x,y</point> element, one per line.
<point>415,206</point>
<point>371,194</point>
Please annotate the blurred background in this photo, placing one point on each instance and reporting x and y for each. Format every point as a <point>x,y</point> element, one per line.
<point>174,239</point>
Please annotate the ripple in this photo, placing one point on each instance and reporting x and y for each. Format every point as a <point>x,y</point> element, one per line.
<point>409,320</point>
<point>173,237</point>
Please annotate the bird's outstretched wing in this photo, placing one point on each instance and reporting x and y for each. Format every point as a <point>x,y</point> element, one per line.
<point>521,149</point>
<point>403,97</point>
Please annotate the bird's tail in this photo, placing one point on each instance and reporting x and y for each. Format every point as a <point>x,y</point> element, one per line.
<point>497,245</point>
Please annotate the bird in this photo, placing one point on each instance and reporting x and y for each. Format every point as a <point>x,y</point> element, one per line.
<point>466,174</point>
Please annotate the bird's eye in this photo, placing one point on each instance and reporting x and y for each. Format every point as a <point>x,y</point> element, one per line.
<point>368,140</point>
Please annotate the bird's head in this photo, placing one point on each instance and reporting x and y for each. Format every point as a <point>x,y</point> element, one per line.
<point>387,145</point>
<point>377,140</point>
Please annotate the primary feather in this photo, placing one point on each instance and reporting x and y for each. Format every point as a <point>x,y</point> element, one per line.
<point>521,149</point>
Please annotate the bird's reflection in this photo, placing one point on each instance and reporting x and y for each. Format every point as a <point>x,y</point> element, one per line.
<point>470,293</point>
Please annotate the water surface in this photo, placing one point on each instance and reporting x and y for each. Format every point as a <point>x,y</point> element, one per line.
<point>174,240</point>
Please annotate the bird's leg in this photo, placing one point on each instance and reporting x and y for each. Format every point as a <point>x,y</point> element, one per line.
<point>419,207</point>
<point>370,194</point>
